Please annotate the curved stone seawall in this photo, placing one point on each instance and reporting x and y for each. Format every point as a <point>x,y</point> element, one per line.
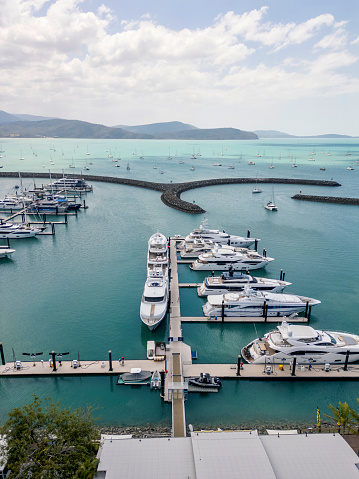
<point>327,199</point>
<point>171,192</point>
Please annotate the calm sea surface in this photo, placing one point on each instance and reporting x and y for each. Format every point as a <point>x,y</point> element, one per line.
<point>80,290</point>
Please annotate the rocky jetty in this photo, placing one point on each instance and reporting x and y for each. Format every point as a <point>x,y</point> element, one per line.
<point>171,192</point>
<point>327,199</point>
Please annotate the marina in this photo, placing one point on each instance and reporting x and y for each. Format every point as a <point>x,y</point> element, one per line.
<point>176,366</point>
<point>110,318</point>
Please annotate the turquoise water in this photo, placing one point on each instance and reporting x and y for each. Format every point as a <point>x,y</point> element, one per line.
<point>80,290</point>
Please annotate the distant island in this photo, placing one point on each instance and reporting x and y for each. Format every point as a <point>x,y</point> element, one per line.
<point>12,126</point>
<point>31,126</point>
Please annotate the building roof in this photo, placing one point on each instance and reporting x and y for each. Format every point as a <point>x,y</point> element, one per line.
<point>212,455</point>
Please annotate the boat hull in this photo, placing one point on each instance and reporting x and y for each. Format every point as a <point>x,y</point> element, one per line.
<point>199,266</point>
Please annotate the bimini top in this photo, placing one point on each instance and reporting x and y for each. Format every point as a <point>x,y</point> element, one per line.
<point>297,332</point>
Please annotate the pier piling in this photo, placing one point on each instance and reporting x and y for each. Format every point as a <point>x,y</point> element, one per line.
<point>110,361</point>
<point>346,360</point>
<point>2,354</point>
<point>239,365</point>
<point>294,366</point>
<point>53,354</point>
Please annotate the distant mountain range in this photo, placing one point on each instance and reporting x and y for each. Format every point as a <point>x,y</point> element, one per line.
<point>37,127</point>
<point>280,134</point>
<point>31,126</point>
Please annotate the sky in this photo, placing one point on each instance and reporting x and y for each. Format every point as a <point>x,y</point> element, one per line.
<point>284,65</point>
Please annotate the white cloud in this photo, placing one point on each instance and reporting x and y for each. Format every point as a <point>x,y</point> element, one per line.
<point>67,62</point>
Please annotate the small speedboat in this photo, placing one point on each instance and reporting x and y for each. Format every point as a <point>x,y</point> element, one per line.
<point>156,381</point>
<point>136,376</point>
<point>6,252</point>
<point>205,380</point>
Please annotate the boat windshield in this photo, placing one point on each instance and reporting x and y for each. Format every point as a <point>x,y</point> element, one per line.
<point>155,299</point>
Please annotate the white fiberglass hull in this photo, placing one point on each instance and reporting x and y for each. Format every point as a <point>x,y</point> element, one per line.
<point>252,311</point>
<point>6,252</point>
<point>256,304</point>
<point>19,234</point>
<point>235,266</point>
<point>312,356</point>
<point>152,314</point>
<point>204,290</point>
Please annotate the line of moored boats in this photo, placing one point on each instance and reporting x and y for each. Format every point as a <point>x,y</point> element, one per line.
<point>51,199</point>
<point>238,294</point>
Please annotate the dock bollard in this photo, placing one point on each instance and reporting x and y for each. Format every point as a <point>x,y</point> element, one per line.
<point>110,360</point>
<point>2,355</point>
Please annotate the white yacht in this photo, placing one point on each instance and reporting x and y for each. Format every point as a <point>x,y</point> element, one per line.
<point>271,206</point>
<point>50,205</point>
<point>18,230</point>
<point>253,303</point>
<point>155,295</point>
<point>307,345</point>
<point>158,253</point>
<point>14,203</point>
<point>238,282</point>
<point>203,232</point>
<point>224,259</point>
<point>69,184</point>
<point>154,299</point>
<point>197,247</point>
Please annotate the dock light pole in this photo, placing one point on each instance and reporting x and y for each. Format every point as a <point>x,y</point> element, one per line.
<point>346,360</point>
<point>110,360</point>
<point>294,365</point>
<point>2,355</point>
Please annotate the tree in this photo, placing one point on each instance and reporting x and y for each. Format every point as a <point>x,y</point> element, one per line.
<point>44,440</point>
<point>342,414</point>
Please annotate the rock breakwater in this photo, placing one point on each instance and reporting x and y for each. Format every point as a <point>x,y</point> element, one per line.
<point>171,192</point>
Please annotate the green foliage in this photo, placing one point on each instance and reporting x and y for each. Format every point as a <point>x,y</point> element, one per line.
<point>345,417</point>
<point>45,440</point>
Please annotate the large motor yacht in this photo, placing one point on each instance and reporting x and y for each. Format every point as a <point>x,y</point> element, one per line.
<point>251,303</point>
<point>193,250</point>
<point>18,230</point>
<point>224,259</point>
<point>154,299</point>
<point>155,294</point>
<point>204,233</point>
<point>307,345</point>
<point>238,282</point>
<point>69,184</point>
<point>158,254</point>
<point>14,203</point>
